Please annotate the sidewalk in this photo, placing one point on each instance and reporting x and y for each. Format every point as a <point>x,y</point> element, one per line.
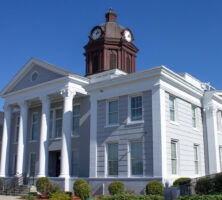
<point>2,197</point>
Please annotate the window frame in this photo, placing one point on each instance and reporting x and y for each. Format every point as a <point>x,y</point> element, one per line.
<point>194,116</point>
<point>130,158</point>
<point>174,108</point>
<point>75,105</point>
<point>107,159</point>
<point>17,127</point>
<point>108,124</point>
<point>36,123</point>
<point>196,161</point>
<point>130,121</point>
<point>176,142</point>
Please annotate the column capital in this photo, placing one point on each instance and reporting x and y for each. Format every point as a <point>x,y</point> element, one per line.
<point>23,104</point>
<point>44,99</point>
<point>67,93</point>
<point>7,107</point>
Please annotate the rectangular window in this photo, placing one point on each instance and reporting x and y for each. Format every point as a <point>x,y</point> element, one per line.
<point>219,121</point>
<point>112,151</point>
<point>1,132</point>
<point>17,122</point>
<point>220,153</point>
<point>174,158</point>
<point>136,108</point>
<point>113,112</point>
<point>172,108</point>
<point>196,159</point>
<point>58,122</point>
<point>194,117</point>
<point>76,119</point>
<point>14,165</point>
<point>136,154</point>
<point>75,163</point>
<point>32,164</point>
<point>35,126</point>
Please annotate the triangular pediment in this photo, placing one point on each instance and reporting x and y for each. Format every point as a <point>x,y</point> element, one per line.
<point>35,72</point>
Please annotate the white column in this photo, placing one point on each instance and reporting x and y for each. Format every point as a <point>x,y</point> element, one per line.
<point>22,136</point>
<point>66,134</point>
<point>43,150</point>
<point>93,138</point>
<point>5,142</point>
<point>159,133</point>
<point>213,147</point>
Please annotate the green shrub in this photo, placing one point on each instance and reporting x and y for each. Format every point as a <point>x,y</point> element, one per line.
<point>83,191</point>
<point>181,181</point>
<point>218,183</point>
<point>116,187</point>
<point>201,197</point>
<point>131,197</point>
<point>60,196</point>
<point>54,188</point>
<point>154,188</point>
<point>43,185</point>
<point>204,186</point>
<point>29,197</point>
<point>1,183</point>
<point>77,183</point>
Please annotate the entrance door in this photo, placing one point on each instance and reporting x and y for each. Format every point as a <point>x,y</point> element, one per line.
<point>54,163</point>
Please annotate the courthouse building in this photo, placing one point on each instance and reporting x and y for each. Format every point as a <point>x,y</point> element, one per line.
<point>113,123</point>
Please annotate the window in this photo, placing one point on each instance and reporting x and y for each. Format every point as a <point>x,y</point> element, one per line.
<point>75,163</point>
<point>34,76</point>
<point>17,122</point>
<point>136,108</point>
<point>76,118</point>
<point>172,108</point>
<point>112,150</point>
<point>196,159</point>
<point>136,154</point>
<point>14,165</point>
<point>219,121</point>
<point>51,124</point>
<point>174,158</point>
<point>220,153</point>
<point>58,122</point>
<point>1,132</point>
<point>113,60</point>
<point>194,117</point>
<point>95,63</point>
<point>35,126</point>
<point>32,164</point>
<point>113,112</point>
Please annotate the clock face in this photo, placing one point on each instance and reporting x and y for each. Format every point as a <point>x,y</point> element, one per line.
<point>127,36</point>
<point>96,33</point>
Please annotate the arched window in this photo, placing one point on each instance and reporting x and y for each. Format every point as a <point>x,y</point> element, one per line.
<point>128,64</point>
<point>95,63</point>
<point>112,61</point>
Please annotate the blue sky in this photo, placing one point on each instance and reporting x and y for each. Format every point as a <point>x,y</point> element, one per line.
<point>184,35</point>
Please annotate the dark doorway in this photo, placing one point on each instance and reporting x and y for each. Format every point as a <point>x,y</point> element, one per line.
<point>54,163</point>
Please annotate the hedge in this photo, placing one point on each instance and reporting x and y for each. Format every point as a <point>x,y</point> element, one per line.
<point>181,181</point>
<point>154,188</point>
<point>116,188</point>
<point>132,197</point>
<point>201,197</point>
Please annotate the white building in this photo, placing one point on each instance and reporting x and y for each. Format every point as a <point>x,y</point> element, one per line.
<point>114,123</point>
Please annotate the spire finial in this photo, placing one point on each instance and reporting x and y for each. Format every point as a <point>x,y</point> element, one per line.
<point>111,15</point>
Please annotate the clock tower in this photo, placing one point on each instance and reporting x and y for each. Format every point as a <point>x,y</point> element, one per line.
<point>110,46</point>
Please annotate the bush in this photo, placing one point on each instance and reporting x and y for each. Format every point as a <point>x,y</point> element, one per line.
<point>77,183</point>
<point>218,183</point>
<point>54,188</point>
<point>204,186</point>
<point>154,188</point>
<point>29,197</point>
<point>60,196</point>
<point>1,183</point>
<point>116,187</point>
<point>131,197</point>
<point>181,181</point>
<point>83,191</point>
<point>43,185</point>
<point>201,197</point>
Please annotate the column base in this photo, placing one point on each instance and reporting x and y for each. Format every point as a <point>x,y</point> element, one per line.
<point>40,175</point>
<point>64,176</point>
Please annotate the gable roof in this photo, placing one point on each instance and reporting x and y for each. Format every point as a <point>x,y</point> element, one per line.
<point>28,66</point>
